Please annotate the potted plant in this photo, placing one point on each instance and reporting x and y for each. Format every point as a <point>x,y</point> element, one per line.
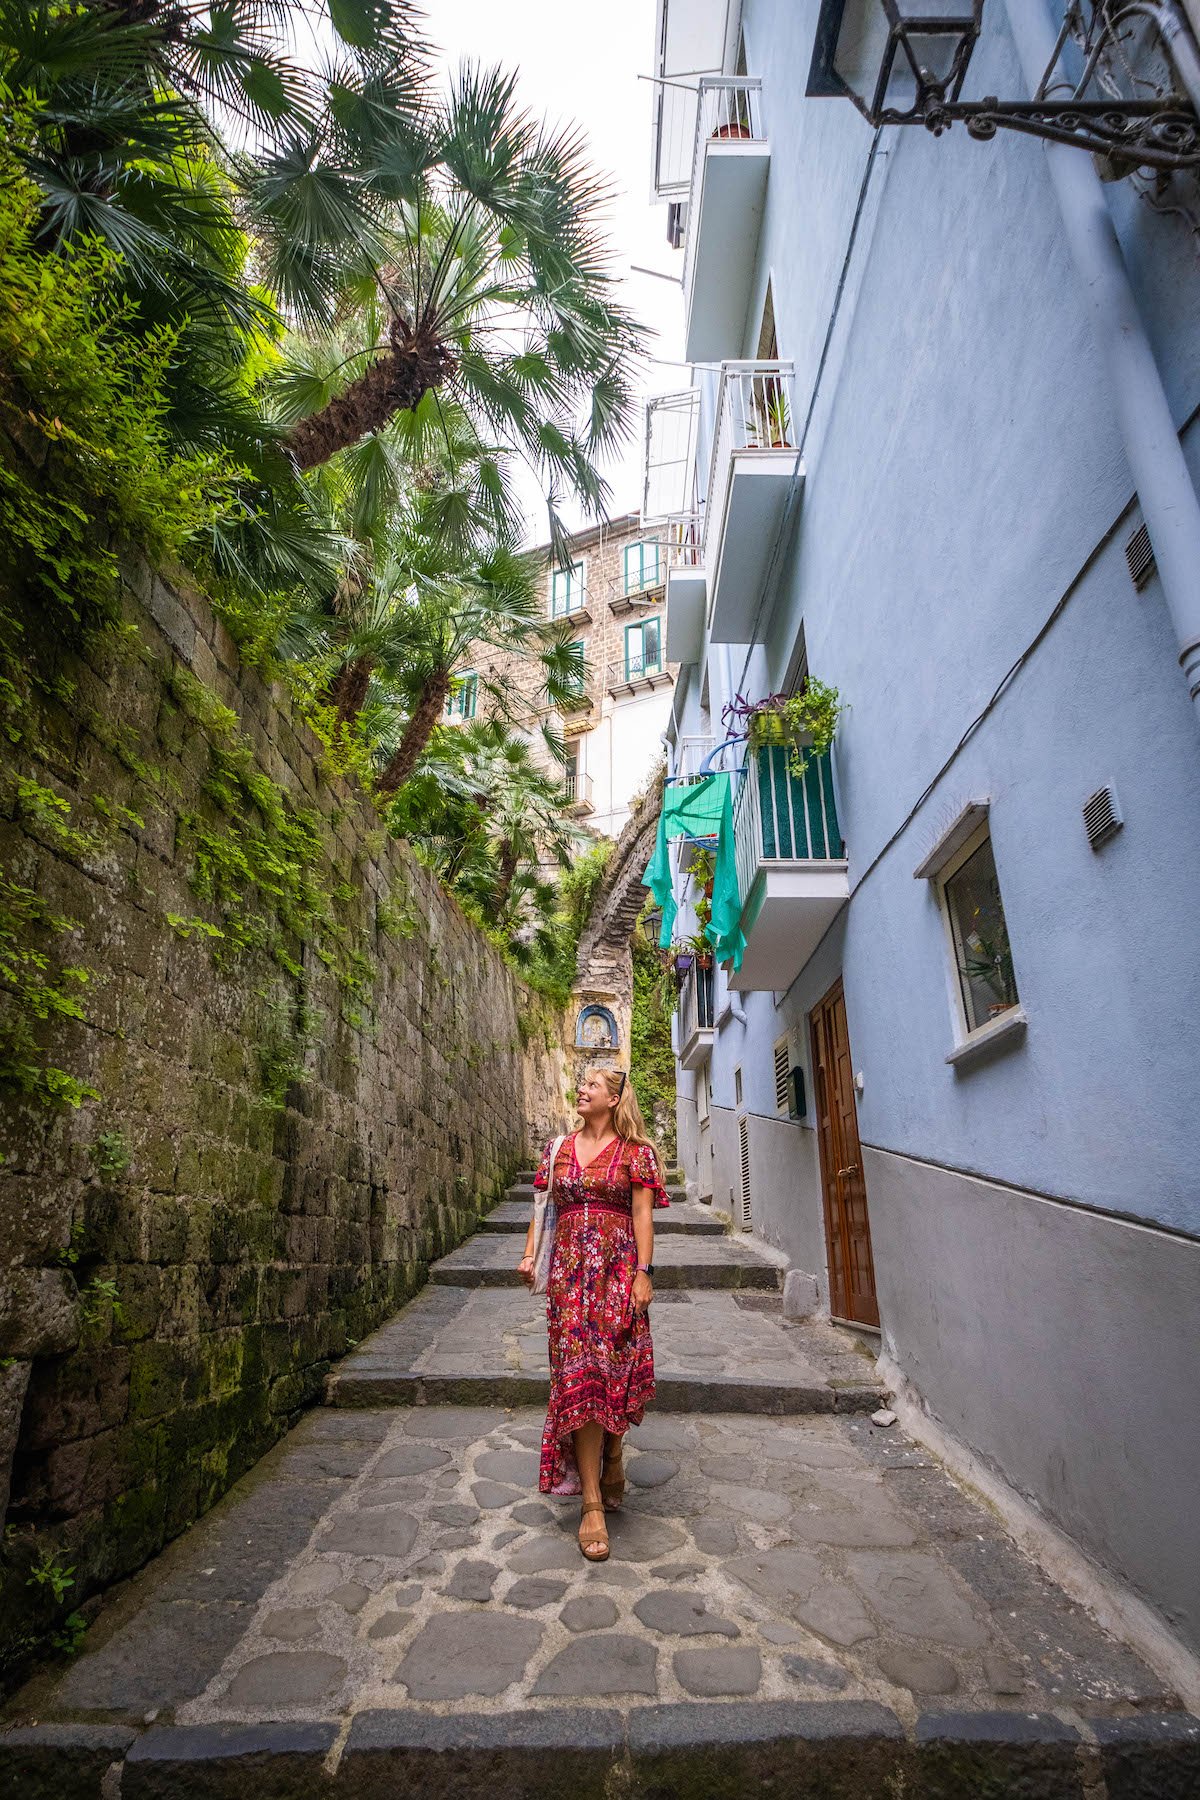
<point>811,718</point>
<point>807,720</point>
<point>772,423</point>
<point>703,869</point>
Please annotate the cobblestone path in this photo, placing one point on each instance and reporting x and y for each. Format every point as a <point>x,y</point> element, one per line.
<point>797,1601</point>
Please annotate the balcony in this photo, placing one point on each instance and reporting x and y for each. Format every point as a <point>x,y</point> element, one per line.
<point>687,591</point>
<point>637,675</point>
<point>625,598</point>
<point>730,163</point>
<point>578,789</point>
<point>577,612</point>
<point>575,702</point>
<point>791,867</point>
<point>754,470</point>
<point>696,1017</point>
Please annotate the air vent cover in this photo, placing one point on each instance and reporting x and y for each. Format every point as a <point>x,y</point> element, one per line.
<point>782,1071</point>
<point>1102,816</point>
<point>1139,554</point>
<point>744,1148</point>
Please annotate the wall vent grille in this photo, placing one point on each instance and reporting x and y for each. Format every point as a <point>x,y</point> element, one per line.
<point>1139,554</point>
<point>783,1066</point>
<point>1102,816</point>
<point>744,1148</point>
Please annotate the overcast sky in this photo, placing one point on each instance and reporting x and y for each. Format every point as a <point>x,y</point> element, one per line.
<point>581,63</point>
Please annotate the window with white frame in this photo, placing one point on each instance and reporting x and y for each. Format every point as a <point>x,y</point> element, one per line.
<point>702,1101</point>
<point>983,959</point>
<point>566,591</point>
<point>962,868</point>
<point>641,567</point>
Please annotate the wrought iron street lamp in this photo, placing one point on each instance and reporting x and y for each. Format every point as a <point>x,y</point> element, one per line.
<point>652,920</point>
<point>903,62</point>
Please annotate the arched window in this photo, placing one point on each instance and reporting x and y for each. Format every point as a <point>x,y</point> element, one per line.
<point>596,1029</point>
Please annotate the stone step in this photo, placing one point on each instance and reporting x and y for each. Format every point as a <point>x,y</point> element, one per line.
<point>714,1351</point>
<point>836,1747</point>
<point>684,1219</point>
<point>490,1260</point>
<point>525,1190</point>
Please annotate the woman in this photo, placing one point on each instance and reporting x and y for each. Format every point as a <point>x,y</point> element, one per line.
<point>607,1183</point>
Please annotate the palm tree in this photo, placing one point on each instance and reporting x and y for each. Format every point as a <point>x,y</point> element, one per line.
<point>490,819</point>
<point>470,267</point>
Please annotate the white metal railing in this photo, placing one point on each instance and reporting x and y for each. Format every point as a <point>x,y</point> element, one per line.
<point>690,752</point>
<point>635,668</point>
<point>684,542</point>
<point>577,604</point>
<point>756,411</point>
<point>696,1002</point>
<point>578,788</point>
<point>669,456</point>
<point>729,108</point>
<point>797,821</point>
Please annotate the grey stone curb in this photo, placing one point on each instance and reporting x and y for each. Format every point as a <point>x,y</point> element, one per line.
<point>1000,1754</point>
<point>229,1762</point>
<point>1152,1756</point>
<point>834,1750</point>
<point>567,1755</point>
<point>764,1278</point>
<point>674,1393</point>
<point>60,1762</point>
<point>837,1750</point>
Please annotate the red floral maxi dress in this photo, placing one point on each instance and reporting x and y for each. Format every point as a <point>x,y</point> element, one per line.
<point>601,1356</point>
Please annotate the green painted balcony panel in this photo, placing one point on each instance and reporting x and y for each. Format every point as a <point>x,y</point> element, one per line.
<point>791,867</point>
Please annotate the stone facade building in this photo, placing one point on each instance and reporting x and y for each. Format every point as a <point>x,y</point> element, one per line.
<point>611,601</point>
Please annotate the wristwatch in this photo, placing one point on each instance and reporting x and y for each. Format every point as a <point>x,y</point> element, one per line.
<point>645,1268</point>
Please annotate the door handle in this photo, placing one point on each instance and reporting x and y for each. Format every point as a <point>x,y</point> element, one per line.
<point>852,1170</point>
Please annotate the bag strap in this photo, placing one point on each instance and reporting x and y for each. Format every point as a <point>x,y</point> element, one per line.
<point>555,1147</point>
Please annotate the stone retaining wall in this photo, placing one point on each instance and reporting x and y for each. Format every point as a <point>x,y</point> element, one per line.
<point>280,1142</point>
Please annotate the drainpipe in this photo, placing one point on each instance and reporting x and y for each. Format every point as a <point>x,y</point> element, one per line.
<point>1152,448</point>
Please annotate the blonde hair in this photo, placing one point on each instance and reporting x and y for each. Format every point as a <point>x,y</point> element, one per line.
<point>627,1114</point>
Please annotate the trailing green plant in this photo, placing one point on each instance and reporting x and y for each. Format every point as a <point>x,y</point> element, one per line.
<point>68,1639</point>
<point>651,1058</point>
<point>33,992</point>
<point>110,1154</point>
<point>50,1572</point>
<point>98,1299</point>
<point>84,398</point>
<point>807,720</point>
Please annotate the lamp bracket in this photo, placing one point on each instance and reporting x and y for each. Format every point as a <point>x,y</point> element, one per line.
<point>1156,134</point>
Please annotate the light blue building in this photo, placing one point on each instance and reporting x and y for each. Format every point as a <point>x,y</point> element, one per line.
<point>923,459</point>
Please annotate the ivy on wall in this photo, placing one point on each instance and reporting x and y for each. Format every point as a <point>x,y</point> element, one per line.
<point>652,1059</point>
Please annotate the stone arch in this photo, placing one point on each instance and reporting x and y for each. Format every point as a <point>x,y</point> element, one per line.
<point>596,1028</point>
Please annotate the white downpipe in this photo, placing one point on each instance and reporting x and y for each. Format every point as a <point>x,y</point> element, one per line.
<point>1160,473</point>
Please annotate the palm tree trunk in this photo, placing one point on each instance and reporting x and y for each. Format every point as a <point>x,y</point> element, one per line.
<point>394,383</point>
<point>348,689</point>
<point>417,732</point>
<point>509,863</point>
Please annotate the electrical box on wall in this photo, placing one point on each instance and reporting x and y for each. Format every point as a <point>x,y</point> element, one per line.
<point>797,1098</point>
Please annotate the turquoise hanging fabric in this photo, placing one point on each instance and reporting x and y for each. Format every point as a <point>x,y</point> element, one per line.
<point>700,809</point>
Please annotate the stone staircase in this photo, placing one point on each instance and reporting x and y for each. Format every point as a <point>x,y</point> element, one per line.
<point>477,1337</point>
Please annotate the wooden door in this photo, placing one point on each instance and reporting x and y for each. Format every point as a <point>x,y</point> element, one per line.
<point>847,1227</point>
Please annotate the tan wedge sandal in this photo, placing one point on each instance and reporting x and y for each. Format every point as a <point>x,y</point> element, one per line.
<point>588,1537</point>
<point>612,1482</point>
